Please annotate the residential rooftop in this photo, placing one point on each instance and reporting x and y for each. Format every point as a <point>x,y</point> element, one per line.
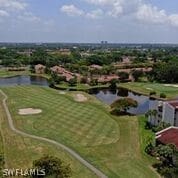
<point>168,136</point>
<point>174,104</point>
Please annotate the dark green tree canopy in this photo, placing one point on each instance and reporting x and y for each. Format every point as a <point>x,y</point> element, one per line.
<point>53,166</point>
<point>122,105</point>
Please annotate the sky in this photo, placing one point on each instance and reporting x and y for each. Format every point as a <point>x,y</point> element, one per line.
<point>89,21</point>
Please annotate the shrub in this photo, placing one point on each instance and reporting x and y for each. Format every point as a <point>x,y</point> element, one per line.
<point>123,75</point>
<point>149,149</point>
<point>113,84</point>
<point>161,126</point>
<point>121,106</point>
<point>72,82</point>
<point>152,93</point>
<point>162,95</point>
<point>54,167</point>
<point>51,83</point>
<point>137,74</point>
<point>57,78</point>
<point>84,80</point>
<point>94,82</point>
<point>2,162</point>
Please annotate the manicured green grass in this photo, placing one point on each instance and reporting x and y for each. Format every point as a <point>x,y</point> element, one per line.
<point>146,88</point>
<point>21,151</point>
<point>146,135</point>
<point>80,86</point>
<point>1,148</point>
<point>124,159</point>
<point>86,127</point>
<point>82,123</point>
<point>1,140</point>
<point>1,145</point>
<point>1,153</point>
<point>5,73</point>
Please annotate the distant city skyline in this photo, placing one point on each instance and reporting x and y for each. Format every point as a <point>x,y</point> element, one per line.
<point>89,21</point>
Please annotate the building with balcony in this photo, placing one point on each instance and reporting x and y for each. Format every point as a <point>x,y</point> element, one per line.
<point>166,111</point>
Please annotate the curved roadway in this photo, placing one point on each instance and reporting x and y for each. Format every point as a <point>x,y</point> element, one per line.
<point>67,149</point>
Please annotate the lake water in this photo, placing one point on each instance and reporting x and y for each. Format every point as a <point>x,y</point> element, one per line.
<point>105,95</point>
<point>23,80</point>
<point>109,96</point>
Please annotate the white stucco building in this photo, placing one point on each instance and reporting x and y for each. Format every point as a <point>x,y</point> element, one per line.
<point>167,111</point>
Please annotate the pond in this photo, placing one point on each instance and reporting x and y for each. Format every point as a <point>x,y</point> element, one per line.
<point>109,96</point>
<point>23,80</point>
<point>105,95</point>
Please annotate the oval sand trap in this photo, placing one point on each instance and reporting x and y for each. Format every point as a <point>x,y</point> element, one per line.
<point>80,98</point>
<point>170,85</point>
<point>29,111</point>
<point>62,92</point>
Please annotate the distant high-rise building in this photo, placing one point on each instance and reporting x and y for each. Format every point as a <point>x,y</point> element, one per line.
<point>104,42</point>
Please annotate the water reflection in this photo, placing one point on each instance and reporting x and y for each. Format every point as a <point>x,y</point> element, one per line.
<point>109,96</point>
<point>122,92</point>
<point>23,80</point>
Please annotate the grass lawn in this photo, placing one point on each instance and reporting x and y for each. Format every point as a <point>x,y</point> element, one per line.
<point>145,136</point>
<point>110,143</point>
<point>80,86</point>
<point>5,73</point>
<point>1,152</point>
<point>20,151</point>
<point>145,88</point>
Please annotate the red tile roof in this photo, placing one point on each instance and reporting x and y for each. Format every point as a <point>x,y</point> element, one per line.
<point>169,136</point>
<point>96,66</point>
<point>174,104</point>
<point>107,78</point>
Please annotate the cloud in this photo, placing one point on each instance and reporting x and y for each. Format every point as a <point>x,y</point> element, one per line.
<point>17,9</point>
<point>3,13</point>
<point>95,14</point>
<point>13,5</point>
<point>173,19</point>
<point>28,16</point>
<point>9,8</point>
<point>116,11</point>
<point>71,10</point>
<point>101,2</point>
<point>137,9</point>
<point>116,8</point>
<point>151,14</point>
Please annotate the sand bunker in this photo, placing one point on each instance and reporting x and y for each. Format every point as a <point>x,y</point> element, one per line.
<point>170,85</point>
<point>29,111</point>
<point>62,92</point>
<point>149,88</point>
<point>80,98</point>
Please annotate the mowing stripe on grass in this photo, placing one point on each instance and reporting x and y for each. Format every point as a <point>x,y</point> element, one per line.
<point>74,154</point>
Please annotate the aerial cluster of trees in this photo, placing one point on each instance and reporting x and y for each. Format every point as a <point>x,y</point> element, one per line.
<point>2,162</point>
<point>168,158</point>
<point>165,72</point>
<point>53,167</point>
<point>9,57</point>
<point>12,58</point>
<point>40,55</point>
<point>165,68</point>
<point>120,106</point>
<point>167,155</point>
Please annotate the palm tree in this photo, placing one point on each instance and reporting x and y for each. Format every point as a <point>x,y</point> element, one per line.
<point>151,115</point>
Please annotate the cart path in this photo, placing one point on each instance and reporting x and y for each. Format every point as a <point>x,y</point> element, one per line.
<point>67,149</point>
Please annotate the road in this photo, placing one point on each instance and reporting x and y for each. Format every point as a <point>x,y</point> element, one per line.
<point>67,149</point>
